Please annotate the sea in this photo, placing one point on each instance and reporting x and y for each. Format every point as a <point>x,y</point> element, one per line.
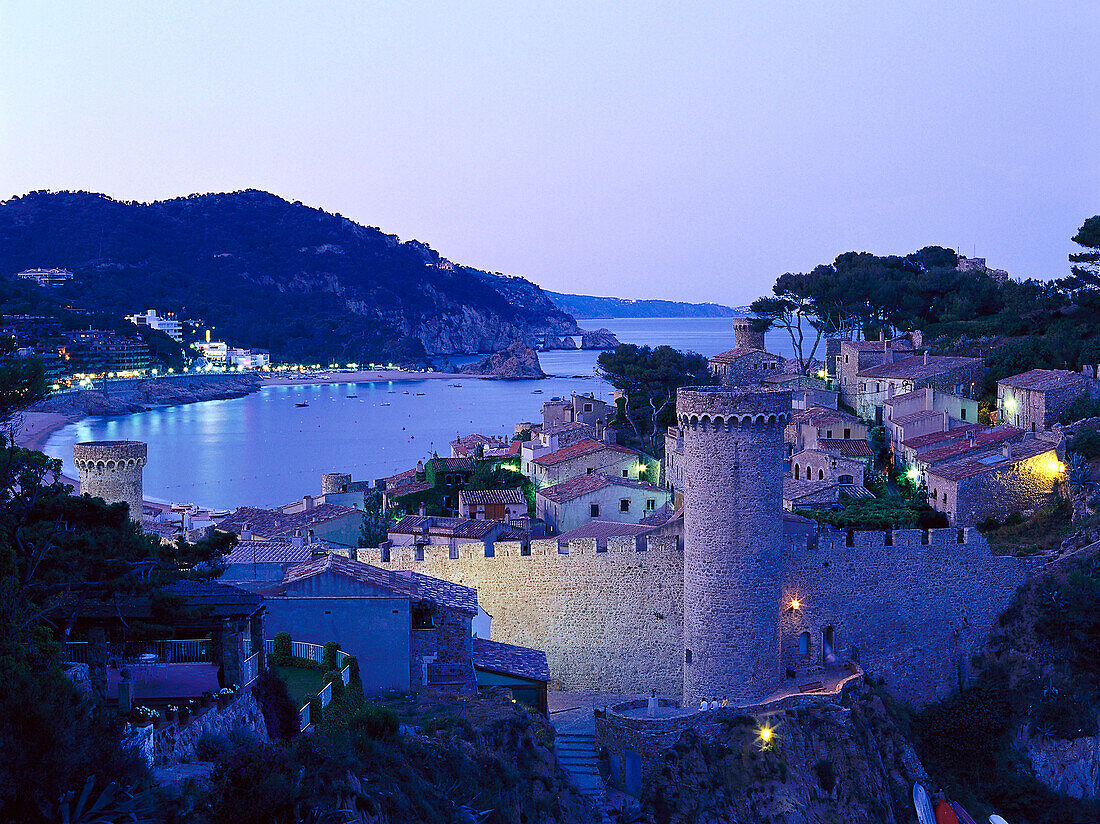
<point>264,450</point>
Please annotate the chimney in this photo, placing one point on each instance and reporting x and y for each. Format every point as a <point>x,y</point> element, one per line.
<point>423,508</point>
<point>1007,450</point>
<point>420,474</point>
<point>246,532</point>
<point>296,541</point>
<point>970,439</point>
<point>311,537</point>
<point>929,397</point>
<point>307,503</point>
<point>925,357</point>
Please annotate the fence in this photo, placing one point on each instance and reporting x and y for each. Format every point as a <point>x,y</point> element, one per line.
<point>185,651</point>
<point>313,652</point>
<point>250,669</point>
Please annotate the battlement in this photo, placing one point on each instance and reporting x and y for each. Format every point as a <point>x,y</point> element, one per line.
<point>109,455</point>
<point>112,470</point>
<point>836,541</point>
<point>723,407</point>
<point>576,551</point>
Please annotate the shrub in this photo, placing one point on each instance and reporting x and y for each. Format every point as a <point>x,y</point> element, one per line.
<point>1087,443</point>
<point>355,682</point>
<point>450,723</point>
<point>282,650</point>
<point>373,722</point>
<point>280,714</point>
<point>328,657</point>
<point>212,745</point>
<point>316,711</point>
<point>337,682</point>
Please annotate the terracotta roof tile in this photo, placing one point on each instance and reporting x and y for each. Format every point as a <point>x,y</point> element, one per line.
<point>492,496</point>
<point>510,660</point>
<point>584,484</point>
<point>849,447</point>
<point>915,367</point>
<point>270,523</point>
<point>1045,380</point>
<point>580,449</point>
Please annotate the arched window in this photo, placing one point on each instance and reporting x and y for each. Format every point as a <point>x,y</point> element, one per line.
<point>796,471</point>
<point>846,479</point>
<point>821,474</point>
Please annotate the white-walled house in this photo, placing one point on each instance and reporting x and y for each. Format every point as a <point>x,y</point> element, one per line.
<point>569,504</point>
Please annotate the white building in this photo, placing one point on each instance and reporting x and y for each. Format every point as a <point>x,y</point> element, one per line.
<point>570,504</point>
<point>169,325</point>
<point>248,358</point>
<point>47,277</point>
<point>214,350</point>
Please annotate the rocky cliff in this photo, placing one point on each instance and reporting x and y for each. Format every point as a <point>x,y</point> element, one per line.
<point>124,397</point>
<point>516,362</point>
<point>308,285</point>
<point>600,339</point>
<point>553,342</point>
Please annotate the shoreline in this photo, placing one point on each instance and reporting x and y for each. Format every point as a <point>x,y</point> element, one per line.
<point>370,376</point>
<point>35,428</point>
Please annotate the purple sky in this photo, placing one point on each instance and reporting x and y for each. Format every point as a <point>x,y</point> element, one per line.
<point>688,151</point>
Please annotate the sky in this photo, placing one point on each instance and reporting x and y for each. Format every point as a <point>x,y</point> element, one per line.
<point>686,151</point>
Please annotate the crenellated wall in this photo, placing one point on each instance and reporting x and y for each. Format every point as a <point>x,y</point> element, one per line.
<point>607,621</point>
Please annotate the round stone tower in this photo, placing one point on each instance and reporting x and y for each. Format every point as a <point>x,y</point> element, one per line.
<point>733,530</point>
<point>111,470</point>
<point>334,482</point>
<point>745,334</point>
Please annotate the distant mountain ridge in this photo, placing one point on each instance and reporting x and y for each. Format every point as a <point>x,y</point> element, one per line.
<point>308,285</point>
<point>587,306</point>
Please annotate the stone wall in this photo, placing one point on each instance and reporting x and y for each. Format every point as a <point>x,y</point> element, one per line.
<point>112,470</point>
<point>909,611</point>
<point>173,743</point>
<point>1026,484</point>
<point>606,620</point>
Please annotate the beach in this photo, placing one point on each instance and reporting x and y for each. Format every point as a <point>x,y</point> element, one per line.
<point>35,428</point>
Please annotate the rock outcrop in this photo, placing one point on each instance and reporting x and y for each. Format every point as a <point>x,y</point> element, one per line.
<point>126,396</point>
<point>553,342</point>
<point>517,362</point>
<point>600,339</point>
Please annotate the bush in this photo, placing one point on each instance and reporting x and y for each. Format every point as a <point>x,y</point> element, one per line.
<point>316,711</point>
<point>337,681</point>
<point>450,723</point>
<point>355,682</point>
<point>282,650</point>
<point>374,722</point>
<point>212,745</point>
<point>280,714</point>
<point>328,657</point>
<point>1083,407</point>
<point>1087,443</point>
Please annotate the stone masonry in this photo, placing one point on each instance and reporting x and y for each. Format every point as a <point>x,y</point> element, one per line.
<point>112,470</point>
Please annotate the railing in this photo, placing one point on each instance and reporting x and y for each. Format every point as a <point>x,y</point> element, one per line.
<point>185,651</point>
<point>300,649</point>
<point>250,669</point>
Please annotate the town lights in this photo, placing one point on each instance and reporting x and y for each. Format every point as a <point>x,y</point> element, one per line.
<point>913,474</point>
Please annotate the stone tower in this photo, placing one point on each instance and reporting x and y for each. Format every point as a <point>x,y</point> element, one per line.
<point>111,470</point>
<point>733,531</point>
<point>334,482</point>
<point>745,334</point>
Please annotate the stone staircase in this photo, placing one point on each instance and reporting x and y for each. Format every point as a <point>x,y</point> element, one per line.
<point>577,754</point>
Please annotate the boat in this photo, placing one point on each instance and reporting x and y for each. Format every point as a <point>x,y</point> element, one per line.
<point>301,404</point>
<point>923,805</point>
<point>945,813</point>
<point>963,815</point>
<point>353,396</point>
<point>536,391</point>
<point>996,819</point>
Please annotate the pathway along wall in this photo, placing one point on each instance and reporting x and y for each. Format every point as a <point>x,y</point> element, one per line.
<point>112,470</point>
<point>733,537</point>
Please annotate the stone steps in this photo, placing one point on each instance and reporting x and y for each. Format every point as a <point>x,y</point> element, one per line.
<point>577,755</point>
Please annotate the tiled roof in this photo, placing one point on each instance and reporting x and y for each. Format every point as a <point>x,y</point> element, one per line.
<point>411,585</point>
<point>815,491</point>
<point>822,415</point>
<point>906,396</point>
<point>898,344</point>
<point>274,552</point>
<point>584,484</point>
<point>455,464</point>
<point>922,415</point>
<point>736,354</point>
<point>205,598</point>
<point>1045,380</point>
<point>921,441</point>
<point>849,447</point>
<point>662,516</point>
<point>844,458</point>
<point>600,531</point>
<point>580,449</point>
<point>405,483</point>
<point>915,367</point>
<point>958,448</point>
<point>492,496</point>
<point>270,523</point>
<point>520,662</point>
<point>468,444</point>
<point>568,426</point>
<point>457,527</point>
<point>990,460</point>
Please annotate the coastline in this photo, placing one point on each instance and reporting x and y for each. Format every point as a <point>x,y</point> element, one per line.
<point>371,376</point>
<point>35,428</point>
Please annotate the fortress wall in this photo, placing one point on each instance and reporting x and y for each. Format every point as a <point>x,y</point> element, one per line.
<point>609,621</point>
<point>913,613</point>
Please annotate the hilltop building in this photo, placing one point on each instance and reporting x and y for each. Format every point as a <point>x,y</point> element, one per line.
<point>586,457</point>
<point>748,362</point>
<point>948,374</point>
<point>492,504</point>
<point>923,412</point>
<point>96,352</point>
<point>568,504</point>
<point>577,408</point>
<point>854,356</point>
<point>1033,400</point>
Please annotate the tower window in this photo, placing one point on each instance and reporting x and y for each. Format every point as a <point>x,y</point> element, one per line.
<point>687,656</point>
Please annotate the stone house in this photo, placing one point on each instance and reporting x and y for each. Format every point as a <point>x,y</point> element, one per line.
<point>923,412</point>
<point>949,446</point>
<point>408,631</point>
<point>552,438</point>
<point>1034,400</point>
<point>492,504</point>
<point>480,446</point>
<point>339,525</point>
<point>673,475</point>
<point>809,427</point>
<point>569,504</point>
<point>947,373</point>
<point>420,531</point>
<point>522,671</point>
<point>585,458</point>
<point>743,365</point>
<point>440,479</point>
<point>818,465</point>
<point>994,482</point>
<point>252,560</point>
<point>577,408</point>
<point>856,355</point>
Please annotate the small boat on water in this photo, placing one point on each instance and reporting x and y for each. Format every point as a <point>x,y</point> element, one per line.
<point>996,819</point>
<point>945,813</point>
<point>961,814</point>
<point>353,396</point>
<point>301,404</point>
<point>536,391</point>
<point>923,805</point>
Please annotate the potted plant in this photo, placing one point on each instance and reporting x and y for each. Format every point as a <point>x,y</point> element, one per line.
<point>225,696</point>
<point>143,716</point>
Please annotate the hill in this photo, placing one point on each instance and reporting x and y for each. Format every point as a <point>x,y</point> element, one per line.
<point>586,306</point>
<point>310,286</point>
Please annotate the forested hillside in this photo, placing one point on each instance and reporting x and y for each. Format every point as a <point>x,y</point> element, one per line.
<point>308,285</point>
<point>587,306</point>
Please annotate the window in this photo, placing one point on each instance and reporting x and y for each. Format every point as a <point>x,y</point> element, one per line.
<point>589,471</point>
<point>828,433</point>
<point>594,510</point>
<point>624,504</point>
<point>796,471</point>
<point>847,434</point>
<point>419,553</point>
<point>626,473</point>
<point>588,407</point>
<point>846,479</point>
<point>650,503</point>
<point>385,554</point>
<point>687,656</point>
<point>821,474</point>
<point>804,645</point>
<point>423,617</point>
<point>964,413</point>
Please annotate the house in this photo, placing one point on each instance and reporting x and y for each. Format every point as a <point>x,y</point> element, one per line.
<point>745,365</point>
<point>674,464</point>
<point>576,408</point>
<point>480,446</point>
<point>492,504</point>
<point>569,504</point>
<point>251,560</point>
<point>819,494</point>
<point>932,451</point>
<point>586,457</point>
<point>430,530</point>
<point>524,672</point>
<point>551,438</point>
<point>854,356</point>
<point>947,373</point>
<point>339,525</point>
<point>168,325</point>
<point>819,465</point>
<point>922,412</point>
<point>994,482</point>
<point>1034,400</point>
<point>808,427</point>
<point>443,478</point>
<point>408,631</point>
<point>806,390</point>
